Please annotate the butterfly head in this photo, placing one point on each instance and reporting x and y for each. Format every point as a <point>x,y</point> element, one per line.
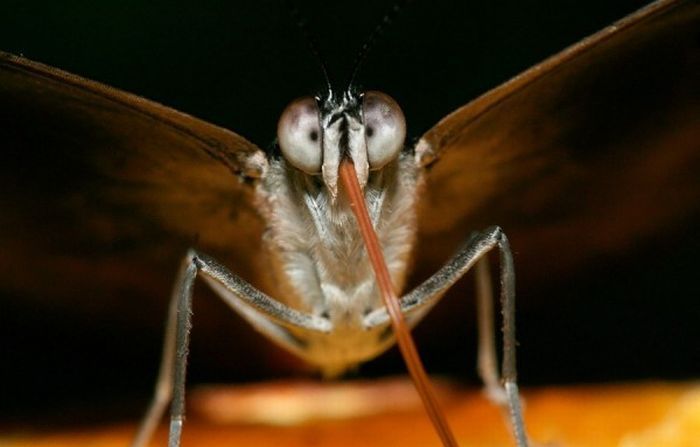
<point>316,134</point>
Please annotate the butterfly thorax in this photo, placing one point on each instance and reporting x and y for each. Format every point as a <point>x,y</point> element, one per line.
<point>318,261</point>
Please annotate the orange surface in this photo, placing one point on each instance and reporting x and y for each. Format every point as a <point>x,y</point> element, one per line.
<point>387,413</point>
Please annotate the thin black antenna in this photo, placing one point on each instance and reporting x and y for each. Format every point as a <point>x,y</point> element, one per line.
<point>388,19</point>
<point>310,40</point>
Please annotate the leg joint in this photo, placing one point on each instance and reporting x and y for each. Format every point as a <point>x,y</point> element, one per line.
<point>194,257</point>
<point>496,233</point>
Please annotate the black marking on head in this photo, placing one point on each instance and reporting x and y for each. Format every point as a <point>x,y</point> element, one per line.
<point>344,137</point>
<point>350,102</point>
<point>336,117</point>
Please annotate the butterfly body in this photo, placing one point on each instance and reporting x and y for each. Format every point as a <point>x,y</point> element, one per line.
<point>318,262</point>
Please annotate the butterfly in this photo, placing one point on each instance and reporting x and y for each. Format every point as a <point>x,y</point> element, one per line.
<point>115,221</point>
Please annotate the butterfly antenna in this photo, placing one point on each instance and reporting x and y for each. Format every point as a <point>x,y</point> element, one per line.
<point>387,20</point>
<point>311,41</point>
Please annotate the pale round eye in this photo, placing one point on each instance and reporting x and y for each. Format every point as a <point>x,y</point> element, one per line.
<point>299,135</point>
<point>385,128</point>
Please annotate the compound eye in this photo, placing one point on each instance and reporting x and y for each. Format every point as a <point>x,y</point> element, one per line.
<point>385,128</point>
<point>299,135</point>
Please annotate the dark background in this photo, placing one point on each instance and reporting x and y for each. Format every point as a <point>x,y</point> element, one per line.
<point>631,317</point>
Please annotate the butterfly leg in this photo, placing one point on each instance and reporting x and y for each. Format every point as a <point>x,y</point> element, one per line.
<point>487,359</point>
<point>503,389</point>
<point>267,315</point>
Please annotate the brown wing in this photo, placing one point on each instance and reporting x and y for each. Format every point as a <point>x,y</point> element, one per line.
<point>101,191</point>
<point>583,155</point>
